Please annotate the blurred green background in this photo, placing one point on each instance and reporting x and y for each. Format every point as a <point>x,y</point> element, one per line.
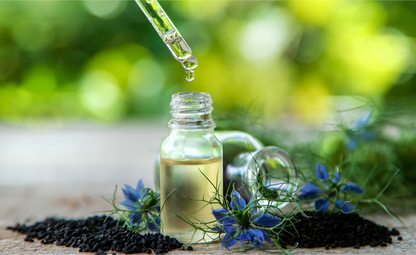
<point>73,61</point>
<point>275,69</point>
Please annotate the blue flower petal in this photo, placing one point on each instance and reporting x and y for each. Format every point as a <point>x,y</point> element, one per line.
<point>217,229</point>
<point>337,178</point>
<point>309,195</point>
<point>363,120</point>
<point>140,185</point>
<point>257,236</point>
<point>227,241</point>
<point>266,236</point>
<point>352,144</point>
<point>321,172</point>
<point>130,193</point>
<point>230,220</point>
<point>310,191</point>
<point>322,205</point>
<point>244,237</point>
<point>225,228</point>
<point>153,227</point>
<point>352,187</point>
<point>310,187</point>
<point>135,218</point>
<point>345,207</point>
<point>368,135</point>
<point>240,201</point>
<point>129,205</point>
<point>253,204</point>
<point>220,214</point>
<point>139,189</point>
<point>267,220</point>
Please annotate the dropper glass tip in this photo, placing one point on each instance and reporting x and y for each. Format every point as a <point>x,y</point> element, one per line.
<point>190,75</point>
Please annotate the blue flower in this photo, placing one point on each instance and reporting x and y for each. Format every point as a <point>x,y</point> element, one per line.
<point>143,204</point>
<point>328,191</point>
<point>360,132</point>
<point>243,223</point>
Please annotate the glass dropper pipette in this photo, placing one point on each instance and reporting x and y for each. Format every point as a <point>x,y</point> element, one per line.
<point>170,35</point>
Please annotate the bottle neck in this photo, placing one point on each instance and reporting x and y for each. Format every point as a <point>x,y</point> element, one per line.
<point>191,132</point>
<point>191,111</point>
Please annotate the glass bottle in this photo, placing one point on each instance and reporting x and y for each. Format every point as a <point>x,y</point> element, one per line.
<point>189,152</point>
<point>252,168</point>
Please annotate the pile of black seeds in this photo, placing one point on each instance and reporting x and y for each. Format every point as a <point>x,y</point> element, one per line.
<point>96,234</point>
<point>331,230</point>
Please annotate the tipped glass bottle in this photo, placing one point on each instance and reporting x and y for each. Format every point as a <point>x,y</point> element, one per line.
<point>190,151</point>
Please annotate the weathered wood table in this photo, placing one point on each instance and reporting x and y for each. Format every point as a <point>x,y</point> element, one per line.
<point>63,171</point>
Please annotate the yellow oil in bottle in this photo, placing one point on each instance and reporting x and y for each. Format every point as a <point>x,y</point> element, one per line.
<point>187,182</point>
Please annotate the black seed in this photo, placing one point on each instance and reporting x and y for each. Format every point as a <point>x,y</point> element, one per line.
<point>330,230</point>
<point>399,238</point>
<point>394,232</point>
<point>95,235</point>
<point>189,248</point>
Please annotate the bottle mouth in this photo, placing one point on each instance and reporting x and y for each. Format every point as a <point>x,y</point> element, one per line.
<point>274,174</point>
<point>269,172</point>
<point>185,101</point>
<point>191,110</point>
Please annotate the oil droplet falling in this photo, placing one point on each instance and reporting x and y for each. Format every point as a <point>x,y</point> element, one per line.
<point>189,65</point>
<point>190,75</point>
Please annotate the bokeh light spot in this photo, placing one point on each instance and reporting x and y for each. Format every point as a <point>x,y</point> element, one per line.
<point>118,61</point>
<point>375,62</point>
<point>266,37</point>
<point>40,80</point>
<point>14,103</point>
<point>32,35</point>
<point>68,104</point>
<point>146,78</point>
<point>312,12</point>
<point>105,9</point>
<point>201,10</point>
<point>357,18</point>
<point>311,100</point>
<point>101,95</point>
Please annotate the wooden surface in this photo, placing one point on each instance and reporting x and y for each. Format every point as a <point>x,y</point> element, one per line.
<point>63,172</point>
